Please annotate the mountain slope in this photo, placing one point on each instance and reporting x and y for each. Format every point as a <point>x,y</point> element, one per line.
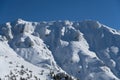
<point>14,67</point>
<point>86,50</point>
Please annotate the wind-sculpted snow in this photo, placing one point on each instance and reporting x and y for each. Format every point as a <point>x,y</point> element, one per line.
<point>86,50</point>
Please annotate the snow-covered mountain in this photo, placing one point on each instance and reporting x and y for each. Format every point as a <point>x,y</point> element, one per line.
<point>66,50</point>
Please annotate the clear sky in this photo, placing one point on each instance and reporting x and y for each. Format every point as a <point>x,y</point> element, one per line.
<point>104,11</point>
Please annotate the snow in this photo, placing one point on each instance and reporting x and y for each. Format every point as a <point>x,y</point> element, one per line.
<point>9,61</point>
<point>87,50</point>
<point>3,67</point>
<point>114,49</point>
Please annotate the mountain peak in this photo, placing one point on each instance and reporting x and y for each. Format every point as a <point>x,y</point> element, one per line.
<point>86,49</point>
<point>20,20</point>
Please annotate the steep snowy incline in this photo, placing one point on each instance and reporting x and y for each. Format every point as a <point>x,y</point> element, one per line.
<point>31,48</point>
<point>72,54</point>
<point>13,67</point>
<point>20,36</point>
<point>86,50</point>
<point>104,41</point>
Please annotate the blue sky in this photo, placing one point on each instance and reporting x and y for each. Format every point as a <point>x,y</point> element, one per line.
<point>105,11</point>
